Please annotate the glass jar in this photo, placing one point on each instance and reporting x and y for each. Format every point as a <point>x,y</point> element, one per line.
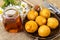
<point>12,20</point>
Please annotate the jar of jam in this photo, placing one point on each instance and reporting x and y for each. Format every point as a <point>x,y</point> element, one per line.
<point>12,20</point>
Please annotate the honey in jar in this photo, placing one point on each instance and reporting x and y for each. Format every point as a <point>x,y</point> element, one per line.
<point>12,21</point>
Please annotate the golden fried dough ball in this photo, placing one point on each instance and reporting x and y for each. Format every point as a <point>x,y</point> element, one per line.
<point>32,14</point>
<point>52,22</point>
<point>31,26</point>
<point>44,31</point>
<point>45,13</point>
<point>40,20</point>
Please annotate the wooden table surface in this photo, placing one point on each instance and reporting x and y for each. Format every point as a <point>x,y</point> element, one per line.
<point>40,2</point>
<point>22,36</point>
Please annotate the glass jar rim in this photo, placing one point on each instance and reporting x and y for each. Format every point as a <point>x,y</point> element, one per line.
<point>17,12</point>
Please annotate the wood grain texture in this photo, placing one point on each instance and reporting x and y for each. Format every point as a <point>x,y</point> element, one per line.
<point>55,2</point>
<point>1,2</point>
<point>40,2</point>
